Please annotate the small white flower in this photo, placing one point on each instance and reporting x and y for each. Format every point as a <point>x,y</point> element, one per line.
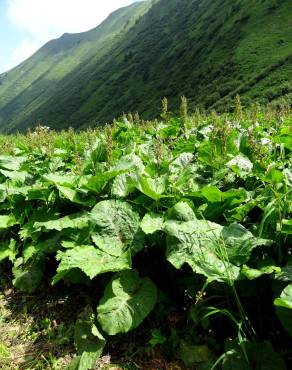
<point>265,141</point>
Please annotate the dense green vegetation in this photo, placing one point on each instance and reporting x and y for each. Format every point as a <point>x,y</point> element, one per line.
<point>178,230</point>
<point>206,50</point>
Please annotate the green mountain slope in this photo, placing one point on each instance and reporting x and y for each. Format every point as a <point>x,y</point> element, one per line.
<point>32,84</point>
<point>207,50</point>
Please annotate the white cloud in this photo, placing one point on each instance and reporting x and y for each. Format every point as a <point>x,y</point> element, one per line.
<point>25,49</point>
<point>46,19</point>
<point>43,20</point>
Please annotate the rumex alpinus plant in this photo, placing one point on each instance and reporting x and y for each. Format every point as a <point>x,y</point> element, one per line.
<point>154,223</point>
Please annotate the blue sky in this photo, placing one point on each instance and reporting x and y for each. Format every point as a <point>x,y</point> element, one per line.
<point>9,36</point>
<point>25,25</point>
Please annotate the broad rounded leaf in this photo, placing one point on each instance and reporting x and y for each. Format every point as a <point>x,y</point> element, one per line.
<point>88,341</point>
<point>11,162</point>
<point>7,221</point>
<point>264,267</point>
<point>199,244</point>
<point>286,272</point>
<point>8,250</point>
<point>285,299</point>
<point>122,186</point>
<point>194,354</point>
<point>240,165</point>
<point>91,261</point>
<point>61,179</point>
<point>151,223</point>
<point>284,308</point>
<point>261,355</point>
<point>75,221</point>
<point>153,188</point>
<point>181,212</point>
<point>212,194</point>
<point>239,243</point>
<point>17,176</point>
<point>116,227</point>
<point>76,196</point>
<point>27,277</point>
<point>181,163</point>
<point>127,300</point>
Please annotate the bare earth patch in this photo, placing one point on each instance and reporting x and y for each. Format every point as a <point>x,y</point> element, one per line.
<point>37,333</point>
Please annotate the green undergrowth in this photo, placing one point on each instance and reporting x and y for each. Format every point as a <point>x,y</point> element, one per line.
<point>169,242</point>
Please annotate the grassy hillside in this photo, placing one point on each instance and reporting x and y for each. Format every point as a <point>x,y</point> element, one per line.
<point>34,82</point>
<point>208,50</point>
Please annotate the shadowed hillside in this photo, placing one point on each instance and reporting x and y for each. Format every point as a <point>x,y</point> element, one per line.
<point>208,50</point>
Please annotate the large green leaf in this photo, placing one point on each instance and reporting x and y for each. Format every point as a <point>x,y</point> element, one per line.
<point>67,184</point>
<point>285,227</point>
<point>241,165</point>
<point>91,261</point>
<point>209,248</point>
<point>126,164</point>
<point>95,183</point>
<point>116,227</point>
<point>74,221</point>
<point>181,211</point>
<point>8,250</point>
<point>67,180</point>
<point>122,186</point>
<point>121,170</point>
<point>227,203</point>
<point>239,243</point>
<point>89,343</point>
<point>263,267</point>
<point>286,272</point>
<point>27,277</point>
<point>154,188</point>
<point>76,196</point>
<point>17,176</point>
<point>11,163</point>
<point>183,174</point>
<point>199,244</point>
<point>7,221</point>
<point>152,222</point>
<point>284,137</point>
<point>177,166</point>
<point>127,300</point>
<point>285,299</point>
<point>40,248</point>
<point>260,356</point>
<point>40,193</point>
<point>192,354</point>
<point>9,190</point>
<point>212,194</point>
<point>96,153</point>
<point>284,308</point>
